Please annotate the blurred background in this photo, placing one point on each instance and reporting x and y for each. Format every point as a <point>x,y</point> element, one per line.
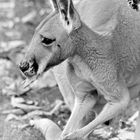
<point>18,20</point>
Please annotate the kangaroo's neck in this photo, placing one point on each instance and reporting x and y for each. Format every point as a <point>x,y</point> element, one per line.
<point>89,46</point>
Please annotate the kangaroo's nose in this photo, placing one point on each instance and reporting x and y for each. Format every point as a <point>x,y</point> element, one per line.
<point>24,66</point>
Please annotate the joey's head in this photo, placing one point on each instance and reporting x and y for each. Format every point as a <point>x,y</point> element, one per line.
<point>52,41</point>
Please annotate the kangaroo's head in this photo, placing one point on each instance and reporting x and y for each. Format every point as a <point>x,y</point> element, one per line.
<point>51,43</point>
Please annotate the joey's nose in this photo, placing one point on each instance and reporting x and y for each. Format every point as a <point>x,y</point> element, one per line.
<point>24,66</point>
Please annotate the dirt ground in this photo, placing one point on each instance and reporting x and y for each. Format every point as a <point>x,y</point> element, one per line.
<point>45,97</point>
<point>4,103</point>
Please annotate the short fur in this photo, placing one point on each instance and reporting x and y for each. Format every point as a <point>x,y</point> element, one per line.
<point>102,53</point>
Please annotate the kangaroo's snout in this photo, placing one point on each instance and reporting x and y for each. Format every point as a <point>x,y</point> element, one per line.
<point>29,68</point>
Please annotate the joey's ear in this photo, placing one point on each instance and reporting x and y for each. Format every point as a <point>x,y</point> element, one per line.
<point>54,4</point>
<point>68,14</point>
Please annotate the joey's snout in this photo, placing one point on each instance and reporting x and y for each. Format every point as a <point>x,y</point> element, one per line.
<point>29,67</point>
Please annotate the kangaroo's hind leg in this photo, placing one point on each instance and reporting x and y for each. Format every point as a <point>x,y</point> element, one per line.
<point>67,89</point>
<point>81,106</point>
<point>85,99</point>
<point>110,110</point>
<point>114,89</point>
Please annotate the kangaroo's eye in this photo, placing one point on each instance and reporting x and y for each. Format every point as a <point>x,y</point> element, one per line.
<point>46,41</point>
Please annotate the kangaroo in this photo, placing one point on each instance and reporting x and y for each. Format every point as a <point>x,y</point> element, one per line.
<point>104,56</point>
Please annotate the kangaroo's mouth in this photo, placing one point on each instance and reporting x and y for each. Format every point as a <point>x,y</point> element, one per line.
<point>32,75</point>
<point>36,70</point>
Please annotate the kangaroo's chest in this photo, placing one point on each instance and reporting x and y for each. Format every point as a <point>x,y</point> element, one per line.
<point>81,69</point>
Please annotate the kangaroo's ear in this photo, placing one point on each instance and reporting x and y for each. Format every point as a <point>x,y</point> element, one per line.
<point>54,4</point>
<point>68,14</point>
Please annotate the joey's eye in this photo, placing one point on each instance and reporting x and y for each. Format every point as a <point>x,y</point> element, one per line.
<point>46,41</point>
